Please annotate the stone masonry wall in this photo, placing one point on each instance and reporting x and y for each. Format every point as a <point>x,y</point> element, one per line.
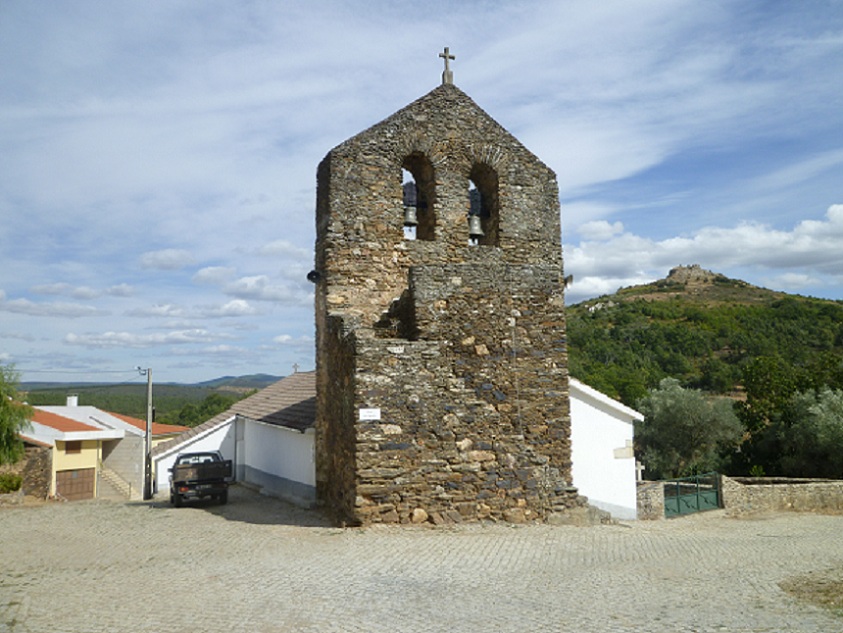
<point>473,423</point>
<point>361,254</point>
<point>458,348</point>
<point>37,472</point>
<point>746,496</point>
<point>650,500</point>
<point>336,460</point>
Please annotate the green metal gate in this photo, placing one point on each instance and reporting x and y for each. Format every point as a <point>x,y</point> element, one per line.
<point>691,494</point>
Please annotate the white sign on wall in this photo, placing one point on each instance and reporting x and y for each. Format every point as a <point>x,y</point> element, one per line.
<point>370,414</point>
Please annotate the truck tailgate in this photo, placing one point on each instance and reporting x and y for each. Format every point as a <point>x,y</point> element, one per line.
<point>202,472</point>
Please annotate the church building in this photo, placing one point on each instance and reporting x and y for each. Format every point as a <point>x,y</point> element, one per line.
<point>441,368</point>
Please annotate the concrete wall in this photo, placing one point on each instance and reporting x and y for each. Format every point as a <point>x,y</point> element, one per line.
<point>603,461</point>
<point>280,461</point>
<point>125,457</point>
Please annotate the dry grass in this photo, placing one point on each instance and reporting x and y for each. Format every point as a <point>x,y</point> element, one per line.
<point>824,588</point>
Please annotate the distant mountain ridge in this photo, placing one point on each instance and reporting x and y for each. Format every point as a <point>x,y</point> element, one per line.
<point>700,327</point>
<point>249,381</point>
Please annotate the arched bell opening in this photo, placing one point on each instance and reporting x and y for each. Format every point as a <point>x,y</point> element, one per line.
<point>483,206</point>
<point>418,188</point>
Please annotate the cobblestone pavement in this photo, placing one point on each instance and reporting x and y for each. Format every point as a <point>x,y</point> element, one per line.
<point>259,565</point>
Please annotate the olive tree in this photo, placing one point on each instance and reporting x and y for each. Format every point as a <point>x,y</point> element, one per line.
<point>684,432</point>
<point>811,435</point>
<point>14,417</point>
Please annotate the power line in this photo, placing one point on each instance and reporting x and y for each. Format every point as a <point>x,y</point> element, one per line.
<point>76,371</point>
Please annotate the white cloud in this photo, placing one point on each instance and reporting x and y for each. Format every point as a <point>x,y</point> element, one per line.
<point>120,290</point>
<point>77,292</point>
<point>792,282</point>
<point>234,308</point>
<point>213,275</point>
<point>578,212</point>
<point>57,309</point>
<point>18,336</point>
<point>284,248</point>
<point>167,259</point>
<point>160,310</point>
<point>128,339</point>
<point>300,342</point>
<point>808,253</point>
<point>262,288</point>
<point>52,289</point>
<point>81,292</point>
<point>800,171</point>
<point>599,230</point>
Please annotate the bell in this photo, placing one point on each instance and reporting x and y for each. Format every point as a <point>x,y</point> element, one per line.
<point>475,228</point>
<point>410,218</point>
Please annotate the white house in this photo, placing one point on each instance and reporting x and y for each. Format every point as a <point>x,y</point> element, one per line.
<point>269,436</point>
<point>92,447</point>
<point>601,441</point>
<point>271,439</point>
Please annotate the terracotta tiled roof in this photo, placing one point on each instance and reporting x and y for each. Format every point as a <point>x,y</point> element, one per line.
<point>60,423</point>
<point>34,441</point>
<point>157,429</point>
<point>290,402</point>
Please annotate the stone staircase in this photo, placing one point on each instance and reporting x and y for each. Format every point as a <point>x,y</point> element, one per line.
<point>113,486</point>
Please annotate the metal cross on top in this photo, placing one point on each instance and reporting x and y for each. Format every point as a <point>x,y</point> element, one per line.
<point>447,74</point>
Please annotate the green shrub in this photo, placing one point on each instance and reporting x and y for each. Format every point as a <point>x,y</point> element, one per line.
<point>9,482</point>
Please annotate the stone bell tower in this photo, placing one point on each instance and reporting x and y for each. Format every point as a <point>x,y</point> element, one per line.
<point>442,383</point>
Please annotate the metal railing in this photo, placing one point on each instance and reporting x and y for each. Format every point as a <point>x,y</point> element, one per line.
<point>687,495</point>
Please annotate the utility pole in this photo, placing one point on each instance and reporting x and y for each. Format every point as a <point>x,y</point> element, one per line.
<point>147,443</point>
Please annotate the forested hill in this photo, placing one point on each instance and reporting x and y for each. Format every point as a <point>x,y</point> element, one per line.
<point>184,404</point>
<point>710,332</point>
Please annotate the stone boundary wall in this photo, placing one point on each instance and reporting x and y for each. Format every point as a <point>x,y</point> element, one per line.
<point>35,469</point>
<point>743,496</point>
<point>650,500</point>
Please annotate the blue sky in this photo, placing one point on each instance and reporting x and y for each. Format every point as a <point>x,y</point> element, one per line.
<point>158,159</point>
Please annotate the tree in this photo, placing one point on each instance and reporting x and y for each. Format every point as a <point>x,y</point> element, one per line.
<point>810,435</point>
<point>194,414</point>
<point>14,417</point>
<point>684,432</point>
<point>770,382</point>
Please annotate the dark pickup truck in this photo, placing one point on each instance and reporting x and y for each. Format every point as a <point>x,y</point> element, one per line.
<point>198,476</point>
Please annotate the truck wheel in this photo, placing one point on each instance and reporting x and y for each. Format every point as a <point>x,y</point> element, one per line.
<point>177,501</point>
<point>224,498</point>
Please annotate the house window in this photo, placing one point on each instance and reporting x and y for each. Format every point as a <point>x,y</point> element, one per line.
<point>73,447</point>
<point>483,206</point>
<point>418,197</point>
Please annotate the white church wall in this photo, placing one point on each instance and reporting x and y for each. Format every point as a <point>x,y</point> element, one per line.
<point>603,461</point>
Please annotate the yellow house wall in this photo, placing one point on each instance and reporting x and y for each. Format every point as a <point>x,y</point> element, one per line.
<point>88,457</point>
